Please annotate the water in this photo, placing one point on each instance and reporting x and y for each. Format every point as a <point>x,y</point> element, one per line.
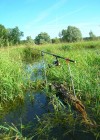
<point>35,105</point>
<point>28,110</point>
<point>35,71</point>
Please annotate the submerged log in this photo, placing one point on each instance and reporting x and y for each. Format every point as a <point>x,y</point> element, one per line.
<point>74,101</point>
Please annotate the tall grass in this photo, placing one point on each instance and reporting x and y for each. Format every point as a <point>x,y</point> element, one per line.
<point>85,75</point>
<point>13,81</point>
<point>86,69</point>
<point>85,72</point>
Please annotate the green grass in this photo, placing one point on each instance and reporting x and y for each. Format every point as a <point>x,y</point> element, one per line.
<point>13,77</point>
<point>86,69</point>
<point>85,74</point>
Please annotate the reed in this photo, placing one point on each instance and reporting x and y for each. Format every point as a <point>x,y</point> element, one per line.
<point>13,77</point>
<point>85,75</point>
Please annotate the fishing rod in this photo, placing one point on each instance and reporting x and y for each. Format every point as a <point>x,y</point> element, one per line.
<point>57,56</point>
<point>57,64</point>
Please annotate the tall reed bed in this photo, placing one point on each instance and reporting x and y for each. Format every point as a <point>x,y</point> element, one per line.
<point>13,77</point>
<point>85,75</point>
<point>85,72</point>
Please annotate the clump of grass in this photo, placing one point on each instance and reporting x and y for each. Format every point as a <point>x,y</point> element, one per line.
<point>62,125</point>
<point>30,55</point>
<point>13,81</point>
<point>85,73</point>
<point>11,78</point>
<point>11,132</point>
<point>66,47</point>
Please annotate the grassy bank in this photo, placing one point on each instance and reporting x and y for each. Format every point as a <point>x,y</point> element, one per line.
<point>85,71</point>
<point>13,81</point>
<point>85,74</point>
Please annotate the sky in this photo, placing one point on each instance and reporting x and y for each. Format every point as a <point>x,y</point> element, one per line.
<point>51,16</point>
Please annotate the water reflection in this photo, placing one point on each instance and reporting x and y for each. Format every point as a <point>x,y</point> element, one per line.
<point>35,71</point>
<point>32,106</point>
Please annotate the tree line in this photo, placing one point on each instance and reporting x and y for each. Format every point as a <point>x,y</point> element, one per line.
<point>12,36</point>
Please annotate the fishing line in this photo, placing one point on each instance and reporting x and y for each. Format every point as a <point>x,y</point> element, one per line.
<point>71,78</point>
<point>57,64</point>
<point>45,73</point>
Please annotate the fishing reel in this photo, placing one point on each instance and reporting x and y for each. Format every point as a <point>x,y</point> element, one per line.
<point>56,62</point>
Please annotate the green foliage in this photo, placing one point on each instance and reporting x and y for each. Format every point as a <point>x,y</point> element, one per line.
<point>30,55</point>
<point>29,40</point>
<point>85,72</point>
<point>3,36</point>
<point>92,36</point>
<point>86,77</point>
<point>3,32</point>
<point>11,78</point>
<point>56,40</point>
<point>66,47</point>
<point>10,132</point>
<point>14,35</point>
<point>63,34</point>
<point>42,38</point>
<point>72,34</point>
<point>9,37</point>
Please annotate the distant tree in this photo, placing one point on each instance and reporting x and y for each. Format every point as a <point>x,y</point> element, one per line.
<point>42,38</point>
<point>72,34</point>
<point>3,35</point>
<point>9,36</point>
<point>64,33</point>
<point>55,40</point>
<point>92,36</point>
<point>29,40</point>
<point>3,32</point>
<point>60,34</point>
<point>14,35</point>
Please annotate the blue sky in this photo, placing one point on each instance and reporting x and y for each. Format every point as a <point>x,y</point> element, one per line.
<point>51,16</point>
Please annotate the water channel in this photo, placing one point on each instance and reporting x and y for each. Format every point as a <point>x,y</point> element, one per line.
<point>36,104</point>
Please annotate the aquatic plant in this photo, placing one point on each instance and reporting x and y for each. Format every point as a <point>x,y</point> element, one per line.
<point>10,132</point>
<point>86,77</point>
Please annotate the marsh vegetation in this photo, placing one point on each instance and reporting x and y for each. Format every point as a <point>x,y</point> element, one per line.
<point>19,78</point>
